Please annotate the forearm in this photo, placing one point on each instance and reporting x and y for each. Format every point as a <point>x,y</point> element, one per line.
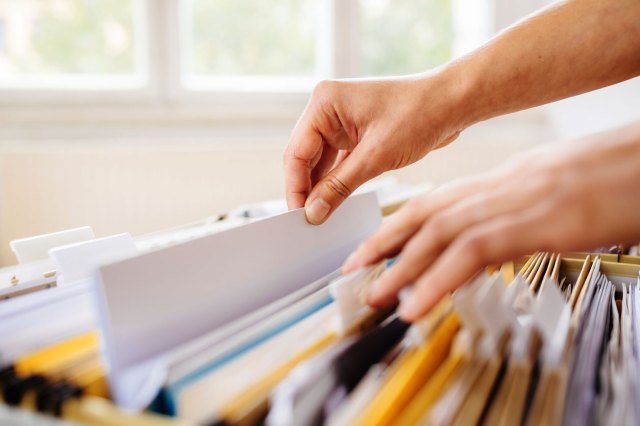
<point>569,48</point>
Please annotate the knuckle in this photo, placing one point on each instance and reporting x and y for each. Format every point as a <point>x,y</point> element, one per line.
<point>440,219</point>
<point>325,90</point>
<point>540,185</point>
<point>436,228</point>
<point>474,245</point>
<point>370,248</point>
<point>412,213</point>
<point>402,272</point>
<point>519,163</point>
<point>412,204</point>
<point>478,206</point>
<point>529,165</point>
<point>336,186</point>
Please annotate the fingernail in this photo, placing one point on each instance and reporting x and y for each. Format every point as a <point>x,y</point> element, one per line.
<point>317,211</point>
<point>405,293</point>
<point>408,308</point>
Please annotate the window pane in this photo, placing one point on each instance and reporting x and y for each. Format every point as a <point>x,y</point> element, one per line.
<point>54,38</point>
<point>405,36</point>
<point>251,38</point>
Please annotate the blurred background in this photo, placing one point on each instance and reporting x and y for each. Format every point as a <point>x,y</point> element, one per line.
<point>137,115</point>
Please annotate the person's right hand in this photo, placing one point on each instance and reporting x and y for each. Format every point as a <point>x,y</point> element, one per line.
<point>556,198</point>
<point>354,130</point>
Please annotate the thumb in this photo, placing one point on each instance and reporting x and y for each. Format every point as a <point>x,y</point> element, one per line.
<point>336,186</point>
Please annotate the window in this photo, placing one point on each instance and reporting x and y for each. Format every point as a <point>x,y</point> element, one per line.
<point>245,40</point>
<point>71,43</point>
<point>173,50</point>
<point>234,39</point>
<point>3,31</point>
<point>405,36</point>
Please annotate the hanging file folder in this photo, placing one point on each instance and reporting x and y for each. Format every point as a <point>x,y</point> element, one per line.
<point>154,303</point>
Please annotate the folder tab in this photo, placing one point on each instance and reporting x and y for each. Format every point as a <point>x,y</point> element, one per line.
<point>78,261</point>
<point>32,249</point>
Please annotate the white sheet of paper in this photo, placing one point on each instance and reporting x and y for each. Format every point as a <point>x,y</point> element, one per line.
<point>156,301</point>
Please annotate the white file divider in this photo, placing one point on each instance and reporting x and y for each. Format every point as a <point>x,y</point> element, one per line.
<point>76,262</point>
<point>32,249</point>
<point>155,302</point>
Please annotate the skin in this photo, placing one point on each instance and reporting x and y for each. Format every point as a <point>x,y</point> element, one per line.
<point>352,131</point>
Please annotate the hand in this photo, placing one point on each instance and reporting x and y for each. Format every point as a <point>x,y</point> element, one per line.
<point>352,131</point>
<point>557,198</point>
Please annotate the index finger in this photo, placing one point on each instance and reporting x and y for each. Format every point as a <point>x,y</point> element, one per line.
<point>302,154</point>
<point>496,241</point>
<point>401,226</point>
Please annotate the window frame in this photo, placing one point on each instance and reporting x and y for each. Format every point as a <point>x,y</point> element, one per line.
<point>164,92</point>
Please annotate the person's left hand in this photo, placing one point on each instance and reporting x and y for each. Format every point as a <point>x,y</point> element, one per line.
<point>557,198</point>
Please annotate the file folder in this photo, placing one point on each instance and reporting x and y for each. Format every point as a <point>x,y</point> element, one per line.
<point>158,301</point>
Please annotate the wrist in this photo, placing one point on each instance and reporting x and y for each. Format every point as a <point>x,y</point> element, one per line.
<point>451,94</point>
